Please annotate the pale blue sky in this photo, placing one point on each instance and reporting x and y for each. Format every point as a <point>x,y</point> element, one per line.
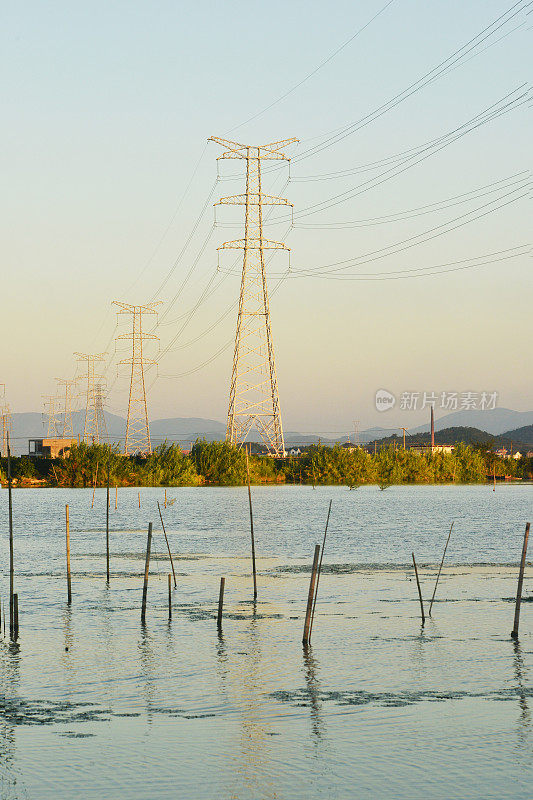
<point>106,109</point>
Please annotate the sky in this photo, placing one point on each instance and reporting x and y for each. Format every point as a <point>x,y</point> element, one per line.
<point>107,109</point>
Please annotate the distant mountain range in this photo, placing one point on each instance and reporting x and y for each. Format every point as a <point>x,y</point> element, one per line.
<point>515,425</point>
<point>520,439</point>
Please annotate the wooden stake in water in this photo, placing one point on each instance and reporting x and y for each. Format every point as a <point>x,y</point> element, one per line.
<point>220,602</point>
<point>11,561</point>
<point>169,596</point>
<point>116,497</point>
<point>168,546</point>
<point>165,498</point>
<point>319,570</point>
<point>139,499</point>
<point>251,525</point>
<point>440,568</point>
<point>67,525</point>
<point>419,591</point>
<point>94,483</point>
<point>311,596</point>
<point>107,524</point>
<point>146,571</point>
<point>514,632</point>
<point>15,617</point>
<point>494,476</point>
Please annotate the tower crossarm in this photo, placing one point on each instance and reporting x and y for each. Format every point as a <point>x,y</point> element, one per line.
<point>253,200</point>
<point>129,308</point>
<point>270,151</point>
<point>253,244</point>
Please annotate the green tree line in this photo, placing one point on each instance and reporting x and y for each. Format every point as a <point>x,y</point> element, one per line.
<point>223,464</point>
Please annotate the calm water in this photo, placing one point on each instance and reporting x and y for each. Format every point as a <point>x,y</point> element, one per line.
<point>96,706</point>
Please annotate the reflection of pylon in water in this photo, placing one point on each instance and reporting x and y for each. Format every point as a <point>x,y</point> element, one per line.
<point>91,430</point>
<point>137,427</point>
<point>51,405</point>
<point>68,427</point>
<point>100,416</point>
<point>254,398</point>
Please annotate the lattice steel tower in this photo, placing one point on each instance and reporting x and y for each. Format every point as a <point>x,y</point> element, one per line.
<point>99,396</point>
<point>137,426</point>
<point>91,428</point>
<point>68,427</point>
<point>50,405</point>
<point>253,397</point>
<point>7,426</point>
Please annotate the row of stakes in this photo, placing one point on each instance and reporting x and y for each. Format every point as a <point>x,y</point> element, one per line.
<point>313,584</point>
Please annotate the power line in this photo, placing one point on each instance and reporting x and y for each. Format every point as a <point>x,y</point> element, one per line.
<point>427,78</point>
<point>410,242</point>
<point>314,71</point>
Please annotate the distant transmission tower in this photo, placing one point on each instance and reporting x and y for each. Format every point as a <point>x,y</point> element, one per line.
<point>99,393</point>
<point>356,426</point>
<point>254,398</point>
<point>5,413</point>
<point>91,428</point>
<point>51,404</point>
<point>137,426</point>
<point>68,427</point>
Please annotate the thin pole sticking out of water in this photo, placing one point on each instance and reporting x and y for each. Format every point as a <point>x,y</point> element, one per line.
<point>94,483</point>
<point>165,498</point>
<point>251,524</point>
<point>168,546</point>
<point>220,602</point>
<point>15,617</point>
<point>319,570</point>
<point>514,632</point>
<point>419,590</point>
<point>67,527</point>
<point>139,499</point>
<point>146,570</point>
<point>169,596</point>
<point>107,523</point>
<point>441,563</point>
<point>116,496</point>
<point>310,596</point>
<point>11,563</point>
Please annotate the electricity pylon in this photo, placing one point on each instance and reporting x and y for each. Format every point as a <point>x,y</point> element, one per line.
<point>100,416</point>
<point>91,429</point>
<point>254,398</point>
<point>68,427</point>
<point>7,427</point>
<point>51,403</point>
<point>137,427</point>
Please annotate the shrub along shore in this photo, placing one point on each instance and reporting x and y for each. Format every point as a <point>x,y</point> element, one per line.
<point>223,464</point>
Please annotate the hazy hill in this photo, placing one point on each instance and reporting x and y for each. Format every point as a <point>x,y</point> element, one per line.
<point>497,421</point>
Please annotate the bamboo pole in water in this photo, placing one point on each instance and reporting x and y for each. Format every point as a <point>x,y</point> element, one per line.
<point>220,602</point>
<point>15,617</point>
<point>116,496</point>
<point>94,483</point>
<point>419,590</point>
<point>146,571</point>
<point>169,596</point>
<point>107,524</point>
<point>514,632</point>
<point>251,525</point>
<point>165,498</point>
<point>440,568</point>
<point>311,595</point>
<point>319,570</point>
<point>67,526</point>
<point>11,557</point>
<point>139,499</point>
<point>168,546</point>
